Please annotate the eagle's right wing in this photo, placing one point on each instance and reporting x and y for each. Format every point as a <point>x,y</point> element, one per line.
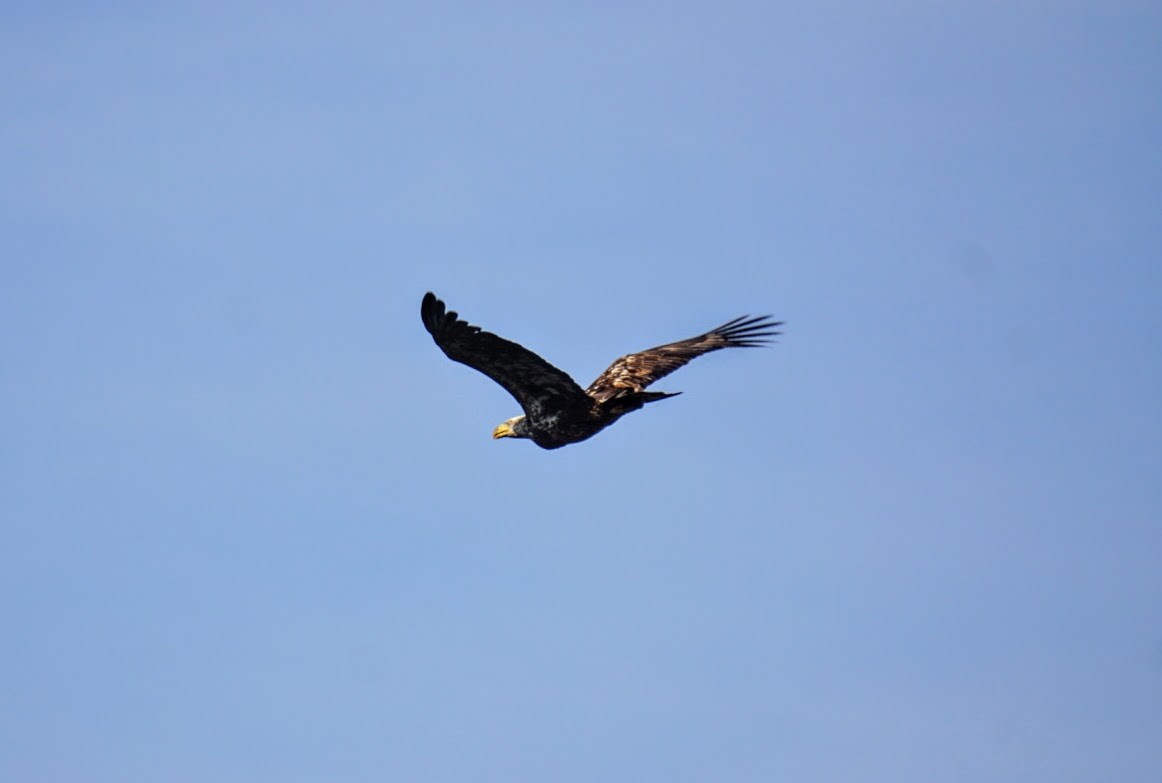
<point>538,386</point>
<point>633,373</point>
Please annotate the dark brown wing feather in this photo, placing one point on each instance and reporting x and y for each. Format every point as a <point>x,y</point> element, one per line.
<point>538,386</point>
<point>638,370</point>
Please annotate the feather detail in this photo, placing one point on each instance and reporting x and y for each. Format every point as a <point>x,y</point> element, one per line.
<point>635,371</point>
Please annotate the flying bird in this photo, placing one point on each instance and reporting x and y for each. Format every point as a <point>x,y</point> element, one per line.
<point>557,411</point>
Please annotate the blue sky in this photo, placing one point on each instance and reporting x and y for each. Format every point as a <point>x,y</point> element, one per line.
<point>253,527</point>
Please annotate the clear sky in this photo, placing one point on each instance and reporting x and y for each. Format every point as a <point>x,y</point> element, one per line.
<point>253,527</point>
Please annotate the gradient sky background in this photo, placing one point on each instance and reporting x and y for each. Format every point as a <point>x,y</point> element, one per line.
<point>254,528</point>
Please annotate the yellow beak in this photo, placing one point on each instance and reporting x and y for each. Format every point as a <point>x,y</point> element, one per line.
<point>503,431</point>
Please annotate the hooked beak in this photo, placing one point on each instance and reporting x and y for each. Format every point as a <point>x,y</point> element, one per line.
<point>502,431</point>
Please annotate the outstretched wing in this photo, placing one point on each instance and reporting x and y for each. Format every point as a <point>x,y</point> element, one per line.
<point>638,370</point>
<point>538,386</point>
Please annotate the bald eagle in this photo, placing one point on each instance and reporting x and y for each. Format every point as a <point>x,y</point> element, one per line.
<point>557,411</point>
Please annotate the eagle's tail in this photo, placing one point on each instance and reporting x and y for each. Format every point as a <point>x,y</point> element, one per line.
<point>617,407</point>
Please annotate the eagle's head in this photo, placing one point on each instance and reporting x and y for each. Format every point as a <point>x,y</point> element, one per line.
<point>513,428</point>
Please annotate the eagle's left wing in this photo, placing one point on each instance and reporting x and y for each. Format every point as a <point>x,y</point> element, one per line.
<point>538,386</point>
<point>638,370</point>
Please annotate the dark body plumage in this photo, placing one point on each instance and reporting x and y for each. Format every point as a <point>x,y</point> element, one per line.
<point>558,411</point>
